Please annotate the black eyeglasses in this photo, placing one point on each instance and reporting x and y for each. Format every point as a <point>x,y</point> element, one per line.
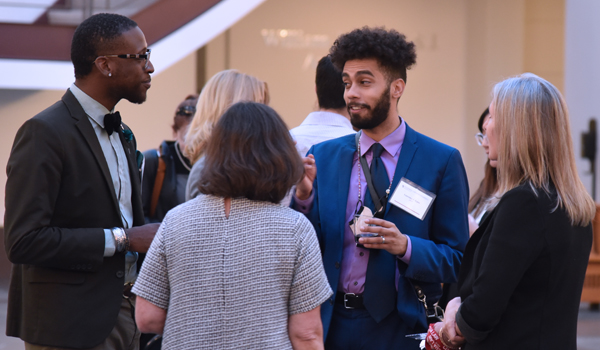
<point>137,56</point>
<point>480,138</point>
<point>186,110</point>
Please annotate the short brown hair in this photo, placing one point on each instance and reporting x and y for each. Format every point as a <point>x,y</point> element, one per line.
<point>250,154</point>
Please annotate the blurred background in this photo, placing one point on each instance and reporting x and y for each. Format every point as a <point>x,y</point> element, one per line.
<point>463,48</point>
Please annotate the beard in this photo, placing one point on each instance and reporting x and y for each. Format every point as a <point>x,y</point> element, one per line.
<point>378,114</point>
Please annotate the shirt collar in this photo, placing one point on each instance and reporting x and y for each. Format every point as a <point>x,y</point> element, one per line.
<point>391,143</point>
<point>327,118</point>
<point>94,109</point>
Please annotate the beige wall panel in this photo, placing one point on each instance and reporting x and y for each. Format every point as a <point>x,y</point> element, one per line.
<point>16,106</point>
<point>433,102</point>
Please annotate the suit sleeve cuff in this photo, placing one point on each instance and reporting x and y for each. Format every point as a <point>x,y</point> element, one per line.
<point>109,243</point>
<point>303,205</point>
<point>406,257</point>
<point>472,335</point>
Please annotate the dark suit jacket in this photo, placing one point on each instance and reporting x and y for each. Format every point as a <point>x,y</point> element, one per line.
<point>522,275</point>
<point>59,198</point>
<point>437,241</point>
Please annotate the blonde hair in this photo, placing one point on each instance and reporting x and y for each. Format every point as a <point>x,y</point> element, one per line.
<point>535,146</point>
<point>220,92</point>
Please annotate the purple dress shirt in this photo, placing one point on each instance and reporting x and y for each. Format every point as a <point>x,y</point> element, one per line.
<point>353,270</point>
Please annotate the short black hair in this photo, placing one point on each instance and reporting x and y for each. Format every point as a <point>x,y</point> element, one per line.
<point>482,118</point>
<point>94,34</point>
<point>390,48</point>
<point>250,154</point>
<point>330,86</point>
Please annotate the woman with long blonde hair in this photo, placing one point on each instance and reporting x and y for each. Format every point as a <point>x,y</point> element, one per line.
<point>220,92</point>
<point>522,273</point>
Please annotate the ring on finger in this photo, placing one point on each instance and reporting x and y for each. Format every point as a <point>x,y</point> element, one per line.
<point>382,240</point>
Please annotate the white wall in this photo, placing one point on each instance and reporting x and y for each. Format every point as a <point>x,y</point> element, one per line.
<point>582,73</point>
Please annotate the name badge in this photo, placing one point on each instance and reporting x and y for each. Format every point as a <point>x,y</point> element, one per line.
<point>412,198</point>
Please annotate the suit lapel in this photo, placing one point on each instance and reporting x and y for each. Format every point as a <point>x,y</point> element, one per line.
<point>407,153</point>
<point>86,129</point>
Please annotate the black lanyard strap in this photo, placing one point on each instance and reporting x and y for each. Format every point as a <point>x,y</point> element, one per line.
<point>365,166</point>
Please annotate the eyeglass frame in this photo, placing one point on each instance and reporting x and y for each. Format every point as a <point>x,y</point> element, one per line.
<point>186,110</point>
<point>479,137</point>
<point>145,56</point>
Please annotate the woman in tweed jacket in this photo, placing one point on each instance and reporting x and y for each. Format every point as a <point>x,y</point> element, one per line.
<point>232,269</point>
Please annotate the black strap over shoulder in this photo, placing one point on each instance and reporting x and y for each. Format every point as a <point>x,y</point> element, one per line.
<point>367,172</point>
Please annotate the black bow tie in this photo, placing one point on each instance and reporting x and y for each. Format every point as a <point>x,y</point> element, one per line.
<point>112,122</point>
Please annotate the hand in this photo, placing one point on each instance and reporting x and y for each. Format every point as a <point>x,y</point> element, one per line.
<point>448,331</point>
<point>390,238</point>
<point>305,186</point>
<point>140,237</point>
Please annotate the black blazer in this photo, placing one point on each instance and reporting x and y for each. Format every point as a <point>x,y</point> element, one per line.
<point>59,198</point>
<point>522,275</point>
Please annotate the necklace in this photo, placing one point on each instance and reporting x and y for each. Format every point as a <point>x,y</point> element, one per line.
<point>180,156</point>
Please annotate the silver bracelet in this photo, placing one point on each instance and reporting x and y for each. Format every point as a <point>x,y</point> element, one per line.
<point>121,239</point>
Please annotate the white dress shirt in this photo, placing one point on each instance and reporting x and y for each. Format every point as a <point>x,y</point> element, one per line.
<point>119,172</point>
<point>318,127</point>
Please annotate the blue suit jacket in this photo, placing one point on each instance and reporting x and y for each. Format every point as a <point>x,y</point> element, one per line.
<point>437,242</point>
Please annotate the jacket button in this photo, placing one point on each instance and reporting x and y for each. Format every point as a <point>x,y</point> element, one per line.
<point>337,264</point>
<point>330,301</point>
<point>120,274</point>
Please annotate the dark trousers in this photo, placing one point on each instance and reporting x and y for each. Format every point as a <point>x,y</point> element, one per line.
<point>353,329</point>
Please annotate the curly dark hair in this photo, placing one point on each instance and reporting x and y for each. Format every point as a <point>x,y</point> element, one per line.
<point>390,48</point>
<point>92,36</point>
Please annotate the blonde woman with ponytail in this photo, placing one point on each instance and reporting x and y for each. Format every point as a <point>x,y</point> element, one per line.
<point>522,273</point>
<point>220,92</point>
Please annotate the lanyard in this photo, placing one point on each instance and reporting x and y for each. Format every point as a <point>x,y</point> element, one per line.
<point>365,165</point>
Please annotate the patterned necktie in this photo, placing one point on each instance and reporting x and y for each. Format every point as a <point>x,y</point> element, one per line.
<point>112,122</point>
<point>380,289</point>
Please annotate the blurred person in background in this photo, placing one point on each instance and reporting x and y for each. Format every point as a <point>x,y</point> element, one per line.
<point>166,170</point>
<point>331,120</point>
<point>233,269</point>
<point>482,202</point>
<point>220,92</point>
<point>523,270</point>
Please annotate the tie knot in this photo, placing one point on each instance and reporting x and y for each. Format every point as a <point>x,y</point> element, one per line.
<point>377,149</point>
<point>112,122</point>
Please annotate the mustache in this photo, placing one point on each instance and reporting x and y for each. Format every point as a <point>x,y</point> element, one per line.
<point>363,105</point>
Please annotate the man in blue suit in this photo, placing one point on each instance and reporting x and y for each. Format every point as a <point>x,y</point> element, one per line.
<point>418,194</point>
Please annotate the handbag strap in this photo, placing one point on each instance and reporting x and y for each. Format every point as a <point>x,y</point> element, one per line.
<point>158,182</point>
<point>365,166</point>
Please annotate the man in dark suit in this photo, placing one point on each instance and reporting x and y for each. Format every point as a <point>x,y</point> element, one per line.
<point>418,199</point>
<point>73,206</point>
